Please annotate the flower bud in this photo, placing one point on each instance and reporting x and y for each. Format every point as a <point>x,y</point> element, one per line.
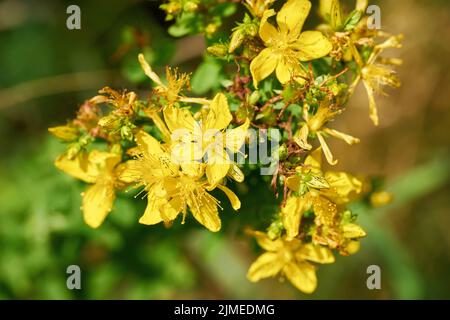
<point>190,6</point>
<point>254,97</point>
<point>126,133</point>
<point>237,38</point>
<point>65,133</point>
<point>218,50</point>
<point>211,29</point>
<point>282,152</point>
<point>380,199</point>
<point>110,122</point>
<point>171,7</point>
<point>251,29</point>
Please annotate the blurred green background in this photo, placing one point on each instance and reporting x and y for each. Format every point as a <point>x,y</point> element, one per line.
<point>47,71</point>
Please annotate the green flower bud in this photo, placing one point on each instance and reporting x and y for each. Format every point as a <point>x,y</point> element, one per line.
<point>211,28</point>
<point>275,229</point>
<point>126,133</point>
<point>254,97</point>
<point>237,38</point>
<point>218,50</point>
<point>282,152</point>
<point>251,29</point>
<point>190,6</point>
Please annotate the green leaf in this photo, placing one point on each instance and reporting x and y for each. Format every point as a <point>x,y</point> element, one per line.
<point>224,9</point>
<point>186,24</point>
<point>352,20</point>
<point>206,77</point>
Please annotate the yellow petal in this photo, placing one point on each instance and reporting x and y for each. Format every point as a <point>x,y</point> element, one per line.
<point>315,253</point>
<point>302,276</point>
<point>263,65</point>
<point>330,10</point>
<point>185,152</point>
<point>104,160</point>
<point>234,200</point>
<point>235,138</point>
<point>217,166</point>
<point>301,138</point>
<point>314,160</point>
<point>325,211</point>
<point>158,207</point>
<point>341,186</point>
<point>169,210</point>
<point>353,231</point>
<point>152,214</point>
<point>177,118</point>
<point>147,144</point>
<point>342,136</point>
<point>287,69</point>
<point>267,32</point>
<point>193,169</point>
<point>326,150</point>
<point>235,173</point>
<point>292,213</point>
<point>79,167</point>
<point>373,112</point>
<point>159,123</point>
<point>292,16</point>
<point>219,116</point>
<point>265,242</point>
<point>336,15</point>
<point>361,5</point>
<point>325,8</point>
<point>293,183</point>
<point>97,202</point>
<point>129,171</point>
<point>267,265</point>
<point>204,209</point>
<point>148,70</point>
<point>312,45</point>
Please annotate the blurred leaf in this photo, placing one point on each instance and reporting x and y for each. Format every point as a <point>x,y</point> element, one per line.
<point>206,77</point>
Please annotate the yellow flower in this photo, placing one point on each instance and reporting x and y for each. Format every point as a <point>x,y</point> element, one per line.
<point>257,7</point>
<point>114,98</point>
<point>171,189</point>
<point>208,139</point>
<point>377,72</point>
<point>315,124</point>
<point>176,82</point>
<point>343,236</point>
<point>319,191</point>
<point>289,258</point>
<point>98,169</point>
<point>286,45</point>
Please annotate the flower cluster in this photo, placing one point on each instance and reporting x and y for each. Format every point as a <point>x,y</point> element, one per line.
<point>177,149</point>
